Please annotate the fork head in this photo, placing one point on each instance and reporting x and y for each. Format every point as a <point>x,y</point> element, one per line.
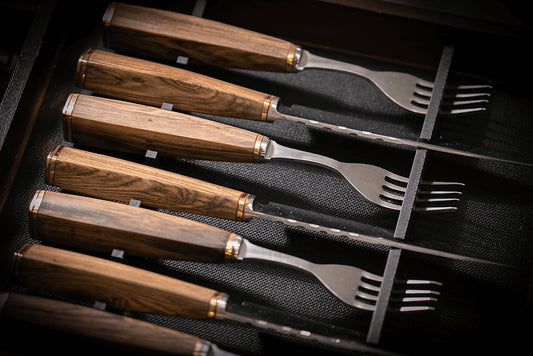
<point>413,93</point>
<point>360,288</point>
<point>387,189</point>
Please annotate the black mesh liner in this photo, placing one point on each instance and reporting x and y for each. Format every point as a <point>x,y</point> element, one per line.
<point>480,306</point>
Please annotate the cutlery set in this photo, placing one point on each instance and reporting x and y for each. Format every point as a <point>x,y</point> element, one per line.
<point>126,116</point>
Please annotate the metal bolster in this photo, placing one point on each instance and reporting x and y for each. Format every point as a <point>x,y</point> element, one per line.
<point>106,20</point>
<point>17,259</point>
<point>260,147</point>
<point>108,15</point>
<point>293,58</point>
<point>244,206</point>
<point>51,164</point>
<point>233,246</point>
<point>67,115</point>
<point>273,112</point>
<point>265,108</point>
<point>201,348</point>
<point>35,204</point>
<point>217,306</point>
<point>81,67</point>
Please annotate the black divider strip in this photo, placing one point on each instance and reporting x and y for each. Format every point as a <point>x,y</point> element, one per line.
<point>404,218</point>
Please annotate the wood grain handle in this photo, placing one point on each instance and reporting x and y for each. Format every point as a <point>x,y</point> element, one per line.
<point>151,83</point>
<point>115,124</point>
<point>100,225</point>
<point>98,324</point>
<point>116,179</point>
<point>166,35</point>
<point>79,276</point>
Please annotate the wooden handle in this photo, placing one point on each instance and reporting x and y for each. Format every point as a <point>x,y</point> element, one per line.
<point>98,324</point>
<point>99,225</point>
<point>116,179</point>
<point>166,35</point>
<point>79,276</point>
<point>114,124</point>
<point>151,83</point>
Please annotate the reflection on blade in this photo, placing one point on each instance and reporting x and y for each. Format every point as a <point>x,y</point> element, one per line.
<point>395,140</point>
<point>300,327</point>
<point>376,240</point>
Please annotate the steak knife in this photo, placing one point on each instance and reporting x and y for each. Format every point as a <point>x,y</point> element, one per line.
<point>117,179</point>
<point>75,275</point>
<point>147,82</point>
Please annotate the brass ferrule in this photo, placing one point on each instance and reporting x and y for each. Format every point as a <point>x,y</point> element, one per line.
<point>217,305</point>
<point>106,21</point>
<point>293,58</point>
<point>260,147</point>
<point>267,102</point>
<point>108,14</point>
<point>81,68</point>
<point>17,259</point>
<point>35,204</point>
<point>244,205</point>
<point>201,348</point>
<point>51,165</point>
<point>233,246</point>
<point>67,116</point>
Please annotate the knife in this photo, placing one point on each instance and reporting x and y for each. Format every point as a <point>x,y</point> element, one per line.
<point>104,226</point>
<point>75,275</point>
<point>117,179</point>
<point>103,326</point>
<point>146,82</point>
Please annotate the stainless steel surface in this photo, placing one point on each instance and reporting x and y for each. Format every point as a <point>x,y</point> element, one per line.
<point>352,285</point>
<point>257,318</point>
<point>249,212</point>
<point>214,350</point>
<point>376,184</point>
<point>408,91</point>
<point>274,114</point>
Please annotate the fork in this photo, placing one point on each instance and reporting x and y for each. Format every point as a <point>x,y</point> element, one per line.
<point>166,35</point>
<point>114,124</point>
<point>354,286</point>
<point>107,226</point>
<point>376,184</point>
<point>406,90</point>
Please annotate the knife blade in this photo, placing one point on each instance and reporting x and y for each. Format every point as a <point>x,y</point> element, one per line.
<point>151,83</point>
<point>111,328</point>
<point>124,287</point>
<point>117,179</point>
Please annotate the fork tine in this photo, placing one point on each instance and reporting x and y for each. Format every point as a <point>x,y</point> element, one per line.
<point>426,182</point>
<point>391,196</point>
<point>434,200</point>
<point>423,92</point>
<point>397,177</point>
<point>434,204</point>
<point>435,208</point>
<point>395,188</point>
<point>366,296</point>
<point>439,192</point>
<point>454,103</point>
<point>469,87</point>
<point>370,287</point>
<point>421,297</point>
<point>424,83</point>
<point>467,96</point>
<point>461,111</point>
<point>389,205</point>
